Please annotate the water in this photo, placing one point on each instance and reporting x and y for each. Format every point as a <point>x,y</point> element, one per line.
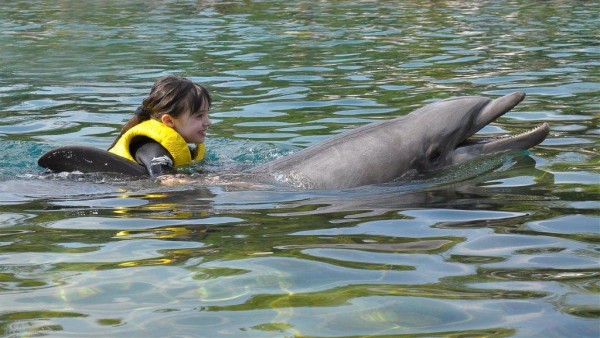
<point>501,247</point>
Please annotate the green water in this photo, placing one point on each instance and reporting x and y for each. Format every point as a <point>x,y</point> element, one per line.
<point>502,247</point>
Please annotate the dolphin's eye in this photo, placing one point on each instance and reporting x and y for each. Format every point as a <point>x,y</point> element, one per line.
<point>434,155</point>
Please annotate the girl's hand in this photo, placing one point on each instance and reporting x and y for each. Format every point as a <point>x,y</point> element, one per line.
<point>176,179</point>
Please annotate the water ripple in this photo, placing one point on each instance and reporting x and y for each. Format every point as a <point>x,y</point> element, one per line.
<point>501,247</point>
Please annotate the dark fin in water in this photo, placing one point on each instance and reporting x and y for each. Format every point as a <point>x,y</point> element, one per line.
<point>89,160</point>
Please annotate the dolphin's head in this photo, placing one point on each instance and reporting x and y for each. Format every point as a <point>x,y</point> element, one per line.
<point>458,146</point>
<point>432,137</point>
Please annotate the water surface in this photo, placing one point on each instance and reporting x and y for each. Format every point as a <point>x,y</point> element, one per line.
<point>502,247</point>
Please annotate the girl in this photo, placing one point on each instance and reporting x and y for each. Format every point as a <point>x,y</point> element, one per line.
<point>174,114</point>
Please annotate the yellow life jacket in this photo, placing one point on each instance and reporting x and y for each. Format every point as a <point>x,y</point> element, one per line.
<point>165,135</point>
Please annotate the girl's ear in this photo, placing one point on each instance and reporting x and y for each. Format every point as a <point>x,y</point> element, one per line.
<point>167,120</point>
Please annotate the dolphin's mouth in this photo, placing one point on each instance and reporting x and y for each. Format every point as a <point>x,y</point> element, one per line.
<point>476,146</point>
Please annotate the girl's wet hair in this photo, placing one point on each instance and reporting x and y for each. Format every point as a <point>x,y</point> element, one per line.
<point>171,95</point>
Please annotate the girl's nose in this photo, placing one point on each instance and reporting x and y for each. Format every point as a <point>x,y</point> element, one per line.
<point>207,121</point>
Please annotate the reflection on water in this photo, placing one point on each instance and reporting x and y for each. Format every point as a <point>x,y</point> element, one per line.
<point>506,246</point>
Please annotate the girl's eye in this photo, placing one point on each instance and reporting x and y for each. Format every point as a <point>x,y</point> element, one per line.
<point>201,115</point>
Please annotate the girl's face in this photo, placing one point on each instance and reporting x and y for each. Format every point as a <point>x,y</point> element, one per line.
<point>191,127</point>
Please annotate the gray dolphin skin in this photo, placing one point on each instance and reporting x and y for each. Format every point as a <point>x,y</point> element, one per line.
<point>428,139</point>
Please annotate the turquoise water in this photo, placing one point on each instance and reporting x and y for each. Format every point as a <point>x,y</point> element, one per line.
<point>502,247</point>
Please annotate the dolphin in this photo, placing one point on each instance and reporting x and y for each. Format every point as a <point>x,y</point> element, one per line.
<point>428,139</point>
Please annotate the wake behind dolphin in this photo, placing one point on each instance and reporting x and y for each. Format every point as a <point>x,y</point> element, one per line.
<point>433,137</point>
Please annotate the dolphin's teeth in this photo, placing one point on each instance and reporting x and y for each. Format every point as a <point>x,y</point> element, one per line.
<point>519,134</point>
<point>494,138</point>
<point>530,130</point>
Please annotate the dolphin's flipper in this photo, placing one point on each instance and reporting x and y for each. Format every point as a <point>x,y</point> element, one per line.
<point>89,160</point>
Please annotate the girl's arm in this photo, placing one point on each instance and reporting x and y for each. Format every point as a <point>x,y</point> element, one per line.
<point>154,157</point>
<point>158,162</point>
